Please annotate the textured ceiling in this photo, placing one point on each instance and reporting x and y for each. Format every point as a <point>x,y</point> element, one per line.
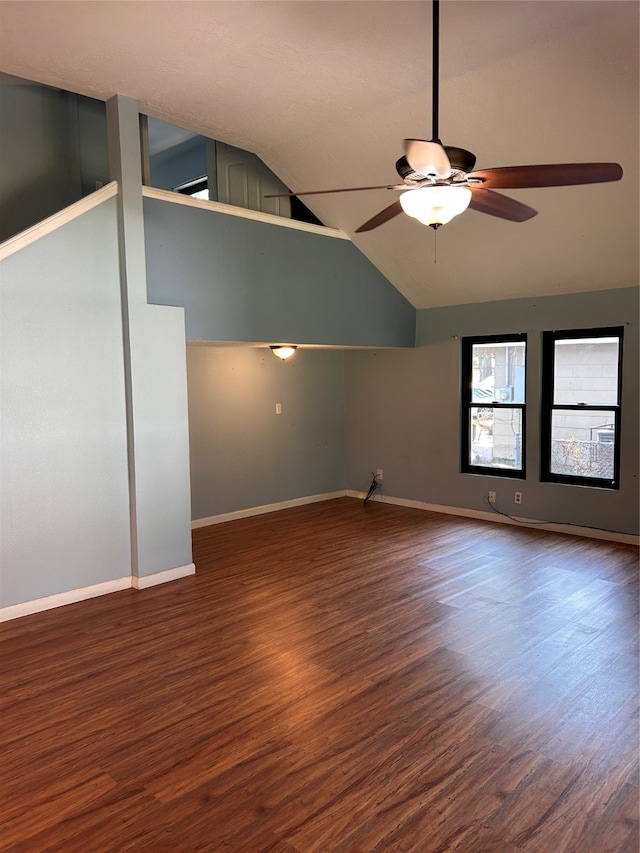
<point>325,92</point>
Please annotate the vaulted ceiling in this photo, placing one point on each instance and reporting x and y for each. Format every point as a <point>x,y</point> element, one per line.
<point>325,92</point>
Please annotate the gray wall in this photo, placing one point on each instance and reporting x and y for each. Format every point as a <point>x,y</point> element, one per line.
<point>64,500</point>
<point>243,280</point>
<point>242,453</point>
<point>70,496</point>
<point>91,119</point>
<point>402,412</point>
<point>53,149</point>
<point>179,164</point>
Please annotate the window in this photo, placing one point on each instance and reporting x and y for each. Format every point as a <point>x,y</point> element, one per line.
<point>198,188</point>
<point>581,388</point>
<point>493,405</point>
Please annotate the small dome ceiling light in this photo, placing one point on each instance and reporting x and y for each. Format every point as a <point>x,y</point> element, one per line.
<point>283,351</point>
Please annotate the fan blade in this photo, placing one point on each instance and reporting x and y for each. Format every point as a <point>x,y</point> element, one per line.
<point>556,175</point>
<point>380,218</point>
<point>495,204</point>
<point>427,158</point>
<point>342,190</point>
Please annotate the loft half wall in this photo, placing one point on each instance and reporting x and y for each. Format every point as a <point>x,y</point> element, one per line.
<point>245,276</point>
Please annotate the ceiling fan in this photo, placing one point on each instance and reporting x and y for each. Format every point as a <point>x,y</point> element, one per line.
<point>439,181</point>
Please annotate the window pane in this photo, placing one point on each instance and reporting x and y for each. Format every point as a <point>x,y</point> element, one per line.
<point>586,371</point>
<point>583,443</point>
<point>498,372</point>
<point>496,437</point>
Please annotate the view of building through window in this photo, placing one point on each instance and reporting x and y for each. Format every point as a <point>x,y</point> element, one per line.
<point>497,376</point>
<point>580,406</point>
<point>583,428</point>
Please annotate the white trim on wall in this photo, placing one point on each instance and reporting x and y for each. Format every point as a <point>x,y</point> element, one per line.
<point>60,599</point>
<point>26,608</point>
<point>145,581</point>
<point>570,529</point>
<point>242,212</point>
<point>260,510</point>
<point>532,523</point>
<point>72,596</point>
<point>52,223</point>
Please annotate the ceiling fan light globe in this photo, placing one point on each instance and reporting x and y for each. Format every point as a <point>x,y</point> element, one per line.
<point>435,205</point>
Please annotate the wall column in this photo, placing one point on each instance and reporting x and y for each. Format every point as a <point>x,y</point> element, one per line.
<point>155,379</point>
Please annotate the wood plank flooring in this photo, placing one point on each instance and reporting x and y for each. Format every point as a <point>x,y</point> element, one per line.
<point>334,679</point>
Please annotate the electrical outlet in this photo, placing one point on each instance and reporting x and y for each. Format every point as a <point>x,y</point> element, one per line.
<point>278,408</point>
<point>517,498</point>
<point>379,474</point>
<point>492,497</point>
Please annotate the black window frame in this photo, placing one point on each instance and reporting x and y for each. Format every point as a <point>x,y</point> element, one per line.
<point>548,407</point>
<point>467,403</point>
<point>192,186</point>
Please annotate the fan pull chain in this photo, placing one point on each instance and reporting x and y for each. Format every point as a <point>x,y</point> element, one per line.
<point>435,246</point>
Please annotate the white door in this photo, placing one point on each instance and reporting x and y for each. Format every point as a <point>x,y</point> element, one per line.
<point>243,180</point>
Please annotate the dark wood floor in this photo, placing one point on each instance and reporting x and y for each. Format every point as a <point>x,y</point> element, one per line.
<point>335,679</point>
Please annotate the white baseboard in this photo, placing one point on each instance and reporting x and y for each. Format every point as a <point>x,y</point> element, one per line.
<point>483,515</point>
<point>26,608</point>
<point>146,581</point>
<point>259,510</point>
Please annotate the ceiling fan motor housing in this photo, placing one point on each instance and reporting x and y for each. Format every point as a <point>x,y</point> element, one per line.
<point>462,162</point>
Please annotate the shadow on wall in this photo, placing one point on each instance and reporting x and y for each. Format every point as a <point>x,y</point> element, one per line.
<point>54,152</point>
